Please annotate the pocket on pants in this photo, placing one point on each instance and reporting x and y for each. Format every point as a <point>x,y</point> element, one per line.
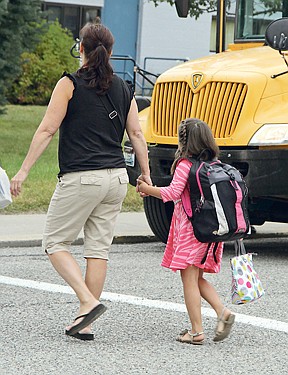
<point>124,179</point>
<point>91,180</point>
<point>91,186</point>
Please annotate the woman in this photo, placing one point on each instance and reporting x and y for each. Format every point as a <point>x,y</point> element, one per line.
<point>93,178</point>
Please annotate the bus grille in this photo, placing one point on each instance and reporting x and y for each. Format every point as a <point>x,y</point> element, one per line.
<point>219,104</point>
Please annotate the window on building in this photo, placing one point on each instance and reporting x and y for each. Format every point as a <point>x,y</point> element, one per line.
<point>73,17</point>
<point>54,13</point>
<point>89,14</point>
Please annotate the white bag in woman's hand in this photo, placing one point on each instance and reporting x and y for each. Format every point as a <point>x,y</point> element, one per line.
<point>5,195</point>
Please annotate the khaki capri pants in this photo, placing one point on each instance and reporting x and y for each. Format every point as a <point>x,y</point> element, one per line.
<point>90,200</point>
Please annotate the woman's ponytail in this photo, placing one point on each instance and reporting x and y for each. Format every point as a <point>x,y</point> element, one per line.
<point>97,42</point>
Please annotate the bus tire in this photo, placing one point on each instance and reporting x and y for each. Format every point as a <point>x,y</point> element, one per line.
<point>159,216</point>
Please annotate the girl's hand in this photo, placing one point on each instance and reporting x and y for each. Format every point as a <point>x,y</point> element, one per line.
<point>146,190</point>
<point>141,187</point>
<point>146,180</point>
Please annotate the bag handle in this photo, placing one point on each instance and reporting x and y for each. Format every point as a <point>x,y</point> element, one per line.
<point>112,113</point>
<point>239,247</point>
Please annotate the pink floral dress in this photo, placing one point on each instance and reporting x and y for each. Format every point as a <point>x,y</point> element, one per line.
<point>183,249</point>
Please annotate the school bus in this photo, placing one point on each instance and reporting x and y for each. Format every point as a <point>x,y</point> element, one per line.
<point>242,93</point>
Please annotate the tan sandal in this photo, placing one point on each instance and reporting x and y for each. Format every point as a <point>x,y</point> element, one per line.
<point>191,339</point>
<point>223,327</point>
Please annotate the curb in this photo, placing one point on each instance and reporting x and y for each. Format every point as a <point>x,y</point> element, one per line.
<point>254,241</point>
<point>80,242</point>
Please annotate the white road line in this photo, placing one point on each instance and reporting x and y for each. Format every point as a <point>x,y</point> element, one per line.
<point>255,321</point>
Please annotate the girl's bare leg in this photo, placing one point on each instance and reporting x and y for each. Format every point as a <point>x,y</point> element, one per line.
<point>209,293</point>
<point>192,298</point>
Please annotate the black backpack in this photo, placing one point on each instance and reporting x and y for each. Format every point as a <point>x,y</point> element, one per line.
<point>218,197</point>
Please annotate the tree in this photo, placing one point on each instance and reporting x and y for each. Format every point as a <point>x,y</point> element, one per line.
<point>19,21</point>
<point>198,7</point>
<point>43,67</point>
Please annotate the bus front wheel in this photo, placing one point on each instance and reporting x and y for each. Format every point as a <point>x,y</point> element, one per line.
<point>159,216</point>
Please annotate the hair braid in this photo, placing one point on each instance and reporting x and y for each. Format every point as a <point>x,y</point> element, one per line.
<point>183,135</point>
<point>182,147</point>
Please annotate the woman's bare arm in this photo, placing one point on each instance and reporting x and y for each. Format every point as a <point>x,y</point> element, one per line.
<point>49,125</point>
<point>138,141</point>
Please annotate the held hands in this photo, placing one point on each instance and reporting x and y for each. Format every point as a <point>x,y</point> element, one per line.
<point>142,186</point>
<point>144,180</point>
<point>16,182</point>
<point>146,189</point>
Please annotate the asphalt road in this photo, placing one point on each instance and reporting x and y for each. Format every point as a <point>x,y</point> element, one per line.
<point>145,313</point>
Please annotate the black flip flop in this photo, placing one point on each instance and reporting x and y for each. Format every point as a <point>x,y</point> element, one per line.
<point>81,336</point>
<point>88,319</point>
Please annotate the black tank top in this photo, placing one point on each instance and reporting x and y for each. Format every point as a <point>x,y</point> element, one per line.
<point>88,138</point>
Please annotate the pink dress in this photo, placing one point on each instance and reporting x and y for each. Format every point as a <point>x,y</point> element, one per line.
<point>183,249</point>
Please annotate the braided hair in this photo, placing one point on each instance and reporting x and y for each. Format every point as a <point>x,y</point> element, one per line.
<point>195,139</point>
<point>97,42</point>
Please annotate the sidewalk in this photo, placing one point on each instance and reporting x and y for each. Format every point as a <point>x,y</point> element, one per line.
<point>26,230</point>
<point>131,227</point>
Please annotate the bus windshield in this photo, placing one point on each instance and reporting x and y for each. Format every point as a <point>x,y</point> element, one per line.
<point>253,17</point>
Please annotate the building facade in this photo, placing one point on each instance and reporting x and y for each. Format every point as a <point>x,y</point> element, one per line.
<point>73,14</point>
<point>153,37</point>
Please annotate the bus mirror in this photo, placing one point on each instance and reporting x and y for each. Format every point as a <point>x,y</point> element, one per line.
<point>276,34</point>
<point>182,7</point>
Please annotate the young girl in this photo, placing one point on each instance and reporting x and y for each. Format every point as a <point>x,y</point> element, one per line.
<point>183,252</point>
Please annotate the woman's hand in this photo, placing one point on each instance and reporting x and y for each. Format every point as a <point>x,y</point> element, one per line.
<point>17,181</point>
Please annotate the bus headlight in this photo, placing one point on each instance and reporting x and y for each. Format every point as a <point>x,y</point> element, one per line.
<point>270,134</point>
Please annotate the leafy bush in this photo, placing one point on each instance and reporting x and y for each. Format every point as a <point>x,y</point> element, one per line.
<point>20,30</point>
<point>42,68</point>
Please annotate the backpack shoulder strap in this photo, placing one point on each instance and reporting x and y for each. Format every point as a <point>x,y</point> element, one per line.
<point>185,198</point>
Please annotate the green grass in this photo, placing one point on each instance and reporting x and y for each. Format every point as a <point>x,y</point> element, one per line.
<point>17,127</point>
